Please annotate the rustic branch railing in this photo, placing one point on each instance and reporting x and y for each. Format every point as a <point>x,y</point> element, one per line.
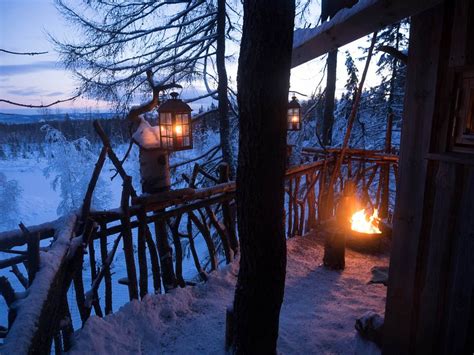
<point>307,185</point>
<point>79,253</point>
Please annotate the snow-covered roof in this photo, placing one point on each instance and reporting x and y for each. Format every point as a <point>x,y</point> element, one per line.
<point>352,23</point>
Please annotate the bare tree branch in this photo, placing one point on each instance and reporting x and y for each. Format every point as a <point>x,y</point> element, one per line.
<point>42,105</point>
<point>21,53</point>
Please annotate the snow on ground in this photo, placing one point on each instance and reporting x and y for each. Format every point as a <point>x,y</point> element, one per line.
<point>318,314</point>
<point>38,200</point>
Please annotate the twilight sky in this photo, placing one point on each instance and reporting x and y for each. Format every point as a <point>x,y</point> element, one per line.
<point>24,25</point>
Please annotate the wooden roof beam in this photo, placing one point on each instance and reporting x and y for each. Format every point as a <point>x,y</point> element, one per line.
<point>348,25</point>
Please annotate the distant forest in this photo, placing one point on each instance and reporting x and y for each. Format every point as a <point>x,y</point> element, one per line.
<point>25,140</point>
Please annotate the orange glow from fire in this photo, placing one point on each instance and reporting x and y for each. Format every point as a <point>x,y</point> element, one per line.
<point>362,223</point>
<point>294,119</point>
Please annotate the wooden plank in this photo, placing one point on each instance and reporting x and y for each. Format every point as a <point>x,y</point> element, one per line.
<point>460,301</point>
<point>425,39</point>
<point>344,28</point>
<point>436,256</point>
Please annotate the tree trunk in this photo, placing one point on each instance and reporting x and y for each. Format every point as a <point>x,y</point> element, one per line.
<point>263,82</point>
<point>223,107</point>
<point>328,118</point>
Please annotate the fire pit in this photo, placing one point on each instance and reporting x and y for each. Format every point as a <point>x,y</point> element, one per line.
<point>365,234</point>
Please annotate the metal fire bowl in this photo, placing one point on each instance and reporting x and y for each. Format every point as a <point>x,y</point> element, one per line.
<point>364,242</point>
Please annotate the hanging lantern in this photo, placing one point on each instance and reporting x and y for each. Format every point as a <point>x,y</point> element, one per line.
<point>175,124</point>
<point>294,115</point>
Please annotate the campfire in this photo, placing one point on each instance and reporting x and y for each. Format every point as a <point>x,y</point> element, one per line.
<point>363,223</point>
<point>365,233</point>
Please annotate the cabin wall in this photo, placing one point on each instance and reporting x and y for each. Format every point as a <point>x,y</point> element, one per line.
<point>431,280</point>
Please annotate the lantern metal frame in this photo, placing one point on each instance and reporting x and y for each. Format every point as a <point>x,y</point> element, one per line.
<point>174,120</point>
<point>294,115</point>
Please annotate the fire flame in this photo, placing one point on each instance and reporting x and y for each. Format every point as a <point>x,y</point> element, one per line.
<point>362,223</point>
<point>178,129</point>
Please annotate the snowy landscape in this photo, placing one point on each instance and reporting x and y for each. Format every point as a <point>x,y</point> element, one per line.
<point>119,224</point>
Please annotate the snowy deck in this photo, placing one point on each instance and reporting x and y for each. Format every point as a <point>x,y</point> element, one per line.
<point>317,317</point>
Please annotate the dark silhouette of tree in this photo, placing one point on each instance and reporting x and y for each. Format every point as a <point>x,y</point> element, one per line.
<point>328,9</point>
<point>263,83</point>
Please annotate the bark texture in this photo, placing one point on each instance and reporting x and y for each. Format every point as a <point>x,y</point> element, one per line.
<point>263,82</point>
<point>328,118</point>
<point>223,105</point>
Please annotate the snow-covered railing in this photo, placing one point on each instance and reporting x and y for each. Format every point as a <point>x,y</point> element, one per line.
<point>156,231</point>
<point>180,217</point>
<point>34,310</point>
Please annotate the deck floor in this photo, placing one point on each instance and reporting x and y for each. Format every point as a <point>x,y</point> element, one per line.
<point>317,317</point>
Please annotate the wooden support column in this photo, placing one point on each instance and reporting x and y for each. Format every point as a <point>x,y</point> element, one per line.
<point>409,233</point>
<point>155,174</point>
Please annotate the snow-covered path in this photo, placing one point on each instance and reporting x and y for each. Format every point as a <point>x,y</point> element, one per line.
<point>318,313</point>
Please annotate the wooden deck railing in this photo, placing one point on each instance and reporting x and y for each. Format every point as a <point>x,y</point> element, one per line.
<point>374,174</point>
<point>198,221</point>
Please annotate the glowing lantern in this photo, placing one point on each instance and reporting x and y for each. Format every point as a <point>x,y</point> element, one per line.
<point>175,124</point>
<point>294,115</point>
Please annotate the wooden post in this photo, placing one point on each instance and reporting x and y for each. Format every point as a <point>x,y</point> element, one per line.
<point>207,238</point>
<point>310,183</point>
<point>154,170</point>
<point>296,207</point>
<point>32,241</point>
<point>142,263</point>
<point>107,274</point>
<point>6,290</point>
<point>166,255</point>
<point>96,304</point>
<point>290,208</point>
<point>222,232</point>
<point>202,273</point>
<point>179,251</point>
<point>127,241</point>
<point>155,174</point>
<point>229,222</point>
<point>334,248</point>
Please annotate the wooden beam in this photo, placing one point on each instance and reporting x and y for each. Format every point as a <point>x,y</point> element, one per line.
<point>410,234</point>
<point>350,24</point>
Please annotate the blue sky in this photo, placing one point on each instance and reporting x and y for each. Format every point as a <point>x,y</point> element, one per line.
<point>24,25</point>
